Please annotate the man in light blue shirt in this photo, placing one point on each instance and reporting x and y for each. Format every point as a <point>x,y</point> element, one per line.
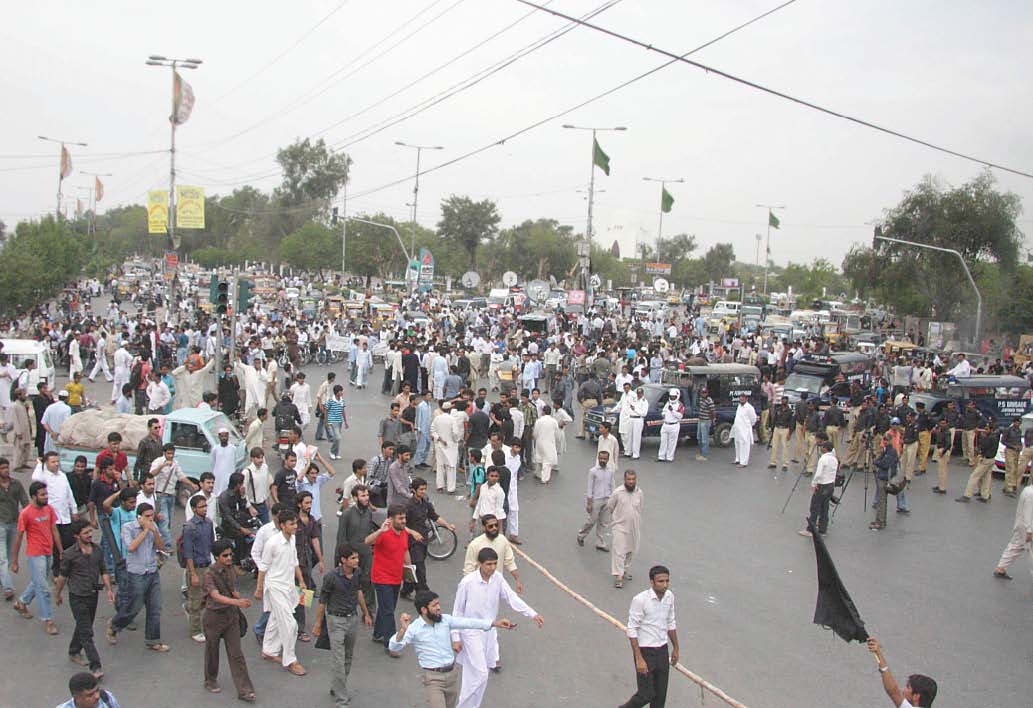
<point>430,635</point>
<point>87,693</point>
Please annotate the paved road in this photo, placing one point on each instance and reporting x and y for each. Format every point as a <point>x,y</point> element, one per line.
<point>745,587</point>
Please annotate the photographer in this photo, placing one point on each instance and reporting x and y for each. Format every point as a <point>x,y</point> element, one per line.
<point>918,692</point>
<point>236,516</point>
<point>885,467</point>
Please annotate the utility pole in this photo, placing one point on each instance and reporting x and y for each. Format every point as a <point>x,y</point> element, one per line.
<point>415,199</point>
<point>767,256</point>
<point>93,205</point>
<point>586,258</point>
<point>660,228</point>
<point>61,167</point>
<point>344,236</point>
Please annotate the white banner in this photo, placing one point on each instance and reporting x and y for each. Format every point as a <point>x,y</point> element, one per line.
<point>337,343</point>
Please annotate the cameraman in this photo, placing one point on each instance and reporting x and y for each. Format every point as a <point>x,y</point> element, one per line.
<point>236,516</point>
<point>885,467</point>
<point>919,691</point>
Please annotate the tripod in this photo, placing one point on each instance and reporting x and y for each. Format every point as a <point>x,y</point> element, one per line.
<point>846,484</point>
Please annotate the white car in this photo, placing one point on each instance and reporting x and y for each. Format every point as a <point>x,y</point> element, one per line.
<point>1027,423</point>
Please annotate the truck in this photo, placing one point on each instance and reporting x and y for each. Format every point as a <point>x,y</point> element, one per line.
<point>194,431</point>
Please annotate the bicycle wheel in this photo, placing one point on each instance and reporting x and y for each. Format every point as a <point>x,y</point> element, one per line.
<point>442,543</point>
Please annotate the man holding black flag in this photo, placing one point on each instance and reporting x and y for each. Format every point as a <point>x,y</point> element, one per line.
<point>918,692</point>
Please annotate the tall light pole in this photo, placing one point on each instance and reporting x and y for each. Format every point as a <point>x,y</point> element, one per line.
<point>767,253</point>
<point>93,194</point>
<point>660,228</point>
<point>415,195</point>
<point>60,173</point>
<point>159,60</point>
<point>586,259</point>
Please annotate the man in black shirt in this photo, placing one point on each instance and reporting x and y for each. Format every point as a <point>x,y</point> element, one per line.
<point>284,488</point>
<point>1012,439</point>
<point>148,450</point>
<point>419,515</point>
<point>479,425</point>
<point>799,429</point>
<point>234,513</point>
<point>339,600</point>
<point>971,421</point>
<point>80,479</point>
<point>833,423</point>
<point>812,426</point>
<point>588,395</point>
<point>106,484</point>
<point>82,564</point>
<point>925,424</point>
<point>910,442</point>
<point>944,443</point>
<point>989,440</point>
<point>781,423</point>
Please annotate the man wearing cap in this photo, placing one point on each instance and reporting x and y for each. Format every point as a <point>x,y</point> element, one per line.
<point>673,412</point>
<point>742,430</point>
<point>224,461</point>
<point>53,418</point>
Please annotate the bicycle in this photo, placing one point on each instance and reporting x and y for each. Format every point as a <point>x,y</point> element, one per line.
<point>441,542</point>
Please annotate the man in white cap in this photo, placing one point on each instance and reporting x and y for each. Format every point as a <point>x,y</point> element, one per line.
<point>53,418</point>
<point>673,412</point>
<point>224,461</point>
<point>742,430</point>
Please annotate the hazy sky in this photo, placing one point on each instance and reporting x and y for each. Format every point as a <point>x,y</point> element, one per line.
<point>950,73</point>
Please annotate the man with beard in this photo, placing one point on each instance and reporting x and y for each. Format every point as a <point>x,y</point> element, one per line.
<point>478,596</point>
<point>494,539</point>
<point>625,509</point>
<point>40,401</point>
<point>411,368</point>
<point>21,431</point>
<point>434,648</point>
<point>355,525</point>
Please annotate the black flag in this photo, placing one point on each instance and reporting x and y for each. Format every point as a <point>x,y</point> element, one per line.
<point>834,609</point>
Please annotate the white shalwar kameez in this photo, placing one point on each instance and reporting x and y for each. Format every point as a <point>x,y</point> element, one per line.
<point>446,451</point>
<point>479,598</point>
<point>639,410</point>
<point>742,432</point>
<point>625,510</point>
<point>513,493</point>
<point>624,419</point>
<point>545,430</point>
<point>279,598</point>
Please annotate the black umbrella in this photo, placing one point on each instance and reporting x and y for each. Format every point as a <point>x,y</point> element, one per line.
<point>834,609</point>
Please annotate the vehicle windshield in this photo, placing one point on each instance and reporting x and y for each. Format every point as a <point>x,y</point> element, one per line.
<point>221,421</point>
<point>801,382</point>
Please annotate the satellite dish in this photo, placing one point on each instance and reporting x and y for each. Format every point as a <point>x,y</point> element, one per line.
<point>538,290</point>
<point>661,285</point>
<point>595,280</point>
<point>509,278</point>
<point>471,279</point>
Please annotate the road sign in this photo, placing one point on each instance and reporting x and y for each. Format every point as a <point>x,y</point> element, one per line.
<point>509,278</point>
<point>471,279</point>
<point>538,291</point>
<point>658,268</point>
<point>595,281</point>
<point>661,285</point>
<point>729,282</point>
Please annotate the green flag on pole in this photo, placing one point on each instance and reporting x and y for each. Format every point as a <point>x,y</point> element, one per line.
<point>599,158</point>
<point>666,201</point>
<point>772,219</point>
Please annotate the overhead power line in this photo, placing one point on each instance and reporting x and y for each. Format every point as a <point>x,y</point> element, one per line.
<point>779,94</point>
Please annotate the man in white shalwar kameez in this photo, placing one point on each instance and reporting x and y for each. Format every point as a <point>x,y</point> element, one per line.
<point>190,385</point>
<point>301,395</point>
<point>639,410</point>
<point>742,431</point>
<point>625,507</point>
<point>478,596</point>
<point>439,370</point>
<point>547,456</point>
<point>446,439</point>
<point>254,383</point>
<point>123,362</point>
<point>276,590</point>
<point>624,406</point>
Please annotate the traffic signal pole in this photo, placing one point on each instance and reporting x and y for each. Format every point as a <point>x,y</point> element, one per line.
<point>233,323</point>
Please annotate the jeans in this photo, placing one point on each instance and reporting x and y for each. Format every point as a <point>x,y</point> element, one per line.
<point>320,426</point>
<point>39,568</point>
<point>105,547</point>
<point>333,434</point>
<point>7,533</point>
<point>819,517</point>
<point>166,505</point>
<point>703,436</point>
<point>146,590</point>
<point>84,610</point>
<point>422,448</point>
<point>387,598</point>
<point>343,633</point>
<point>263,511</point>
<point>902,499</point>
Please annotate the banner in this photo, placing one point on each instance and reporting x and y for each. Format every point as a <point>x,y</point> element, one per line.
<point>425,281</point>
<point>98,189</point>
<point>338,343</point>
<point>658,268</point>
<point>182,100</point>
<point>66,162</point>
<point>189,207</point>
<point>157,212</point>
<point>729,282</point>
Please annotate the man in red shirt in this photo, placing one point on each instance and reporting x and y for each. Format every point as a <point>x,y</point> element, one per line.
<point>390,552</point>
<point>37,524</point>
<point>114,452</point>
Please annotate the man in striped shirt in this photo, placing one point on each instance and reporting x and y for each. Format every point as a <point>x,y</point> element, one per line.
<point>707,417</point>
<point>335,418</point>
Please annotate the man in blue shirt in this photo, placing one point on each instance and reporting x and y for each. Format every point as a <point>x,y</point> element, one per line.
<point>142,541</point>
<point>198,535</point>
<point>430,635</point>
<point>87,693</point>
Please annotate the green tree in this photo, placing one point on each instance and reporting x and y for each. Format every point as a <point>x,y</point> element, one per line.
<point>39,261</point>
<point>311,173</point>
<point>313,247</point>
<point>717,262</point>
<point>537,249</point>
<point>469,224</point>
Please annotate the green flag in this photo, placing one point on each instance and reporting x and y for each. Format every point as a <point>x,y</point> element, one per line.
<point>666,201</point>
<point>599,158</point>
<point>772,219</point>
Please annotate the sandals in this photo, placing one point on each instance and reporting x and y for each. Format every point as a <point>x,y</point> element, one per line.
<point>618,583</point>
<point>161,648</point>
<point>296,669</point>
<point>212,688</point>
<point>247,697</point>
<point>50,628</point>
<point>22,610</point>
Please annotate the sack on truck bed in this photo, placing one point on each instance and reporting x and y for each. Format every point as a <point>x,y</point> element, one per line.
<point>90,429</point>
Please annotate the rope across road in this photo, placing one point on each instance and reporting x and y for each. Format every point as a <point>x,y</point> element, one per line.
<point>704,685</point>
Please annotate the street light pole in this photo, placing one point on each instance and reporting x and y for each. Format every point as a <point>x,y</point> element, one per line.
<point>586,262</point>
<point>93,200</point>
<point>660,228</point>
<point>767,254</point>
<point>415,196</point>
<point>60,176</point>
<point>968,274</point>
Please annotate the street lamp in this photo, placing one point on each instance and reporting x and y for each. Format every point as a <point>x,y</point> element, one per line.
<point>60,169</point>
<point>416,192</point>
<point>767,254</point>
<point>586,259</point>
<point>660,228</point>
<point>93,197</point>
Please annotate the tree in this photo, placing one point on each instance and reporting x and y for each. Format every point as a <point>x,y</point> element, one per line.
<point>973,219</point>
<point>38,262</point>
<point>311,173</point>
<point>718,261</point>
<point>676,248</point>
<point>537,249</point>
<point>468,224</point>
<point>313,247</point>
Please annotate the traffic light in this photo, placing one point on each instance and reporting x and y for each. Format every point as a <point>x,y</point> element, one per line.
<point>222,297</point>
<point>213,290</point>
<point>333,217</point>
<point>245,291</point>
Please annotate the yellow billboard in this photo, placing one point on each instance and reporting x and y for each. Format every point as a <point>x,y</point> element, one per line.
<point>157,212</point>
<point>189,207</point>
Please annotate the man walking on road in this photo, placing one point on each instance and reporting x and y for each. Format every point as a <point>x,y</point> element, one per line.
<point>276,588</point>
<point>651,627</point>
<point>37,524</point>
<point>600,484</point>
<point>1022,535</point>
<point>82,566</point>
<point>823,484</point>
<point>625,510</point>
